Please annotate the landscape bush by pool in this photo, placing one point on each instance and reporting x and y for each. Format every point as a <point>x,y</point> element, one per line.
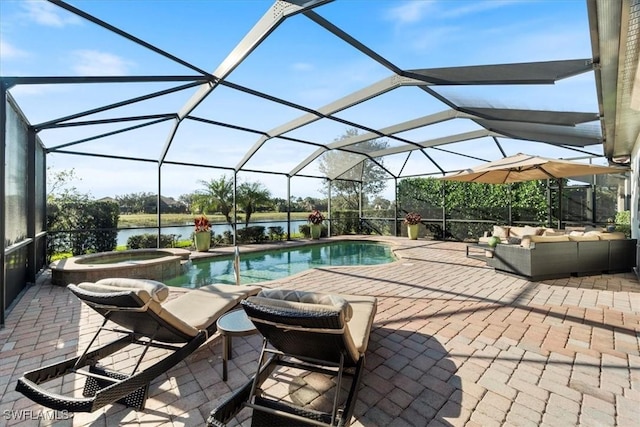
<point>276,264</point>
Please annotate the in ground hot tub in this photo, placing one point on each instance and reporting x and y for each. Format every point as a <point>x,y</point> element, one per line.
<point>155,264</point>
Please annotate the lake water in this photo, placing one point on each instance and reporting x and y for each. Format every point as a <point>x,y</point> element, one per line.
<point>184,232</point>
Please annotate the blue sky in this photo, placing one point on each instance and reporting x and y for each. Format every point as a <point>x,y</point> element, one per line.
<point>299,62</point>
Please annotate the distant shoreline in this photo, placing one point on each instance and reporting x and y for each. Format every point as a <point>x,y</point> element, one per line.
<point>151,220</point>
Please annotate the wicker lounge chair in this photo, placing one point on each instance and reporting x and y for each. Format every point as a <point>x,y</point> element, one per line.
<point>180,326</point>
<point>309,331</point>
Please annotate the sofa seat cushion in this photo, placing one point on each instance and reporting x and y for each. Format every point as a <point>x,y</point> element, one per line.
<point>584,238</point>
<point>527,241</point>
<point>486,240</point>
<point>615,235</point>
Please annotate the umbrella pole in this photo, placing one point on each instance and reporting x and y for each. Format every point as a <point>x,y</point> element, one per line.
<point>510,202</point>
<point>549,205</point>
<point>560,204</point>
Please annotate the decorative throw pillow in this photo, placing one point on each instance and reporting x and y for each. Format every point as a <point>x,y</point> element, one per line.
<point>156,290</point>
<point>500,231</point>
<point>309,298</point>
<point>531,231</point>
<point>518,232</point>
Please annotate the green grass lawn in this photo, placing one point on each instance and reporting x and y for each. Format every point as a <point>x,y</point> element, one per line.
<point>151,220</point>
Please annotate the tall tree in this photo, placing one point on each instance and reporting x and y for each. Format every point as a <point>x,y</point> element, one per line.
<point>251,196</point>
<point>188,199</point>
<point>352,168</point>
<point>60,186</point>
<point>143,202</point>
<point>217,196</point>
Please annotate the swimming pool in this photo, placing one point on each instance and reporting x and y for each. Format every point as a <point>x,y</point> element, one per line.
<point>276,264</point>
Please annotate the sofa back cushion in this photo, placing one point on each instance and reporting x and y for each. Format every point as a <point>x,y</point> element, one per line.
<point>552,232</point>
<point>501,231</point>
<point>527,230</point>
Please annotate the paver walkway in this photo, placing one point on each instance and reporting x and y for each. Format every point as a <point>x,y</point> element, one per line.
<point>453,344</point>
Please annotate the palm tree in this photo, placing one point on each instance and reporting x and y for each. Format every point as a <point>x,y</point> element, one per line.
<point>217,196</point>
<point>252,195</point>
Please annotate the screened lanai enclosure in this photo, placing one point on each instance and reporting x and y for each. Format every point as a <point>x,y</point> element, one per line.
<point>296,96</point>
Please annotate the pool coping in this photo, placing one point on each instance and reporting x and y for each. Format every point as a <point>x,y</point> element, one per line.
<point>285,244</point>
<point>73,269</point>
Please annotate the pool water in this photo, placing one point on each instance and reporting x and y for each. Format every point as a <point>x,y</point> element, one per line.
<point>122,258</point>
<point>276,264</point>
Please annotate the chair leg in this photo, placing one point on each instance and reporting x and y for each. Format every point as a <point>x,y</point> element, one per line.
<point>338,389</point>
<point>256,380</point>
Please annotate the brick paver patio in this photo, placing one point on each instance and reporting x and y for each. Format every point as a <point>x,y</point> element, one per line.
<point>453,344</point>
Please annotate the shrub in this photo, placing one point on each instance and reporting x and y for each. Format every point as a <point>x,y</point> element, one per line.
<point>623,222</point>
<point>149,240</point>
<point>345,222</point>
<point>276,233</point>
<point>227,237</point>
<point>253,234</point>
<point>81,226</point>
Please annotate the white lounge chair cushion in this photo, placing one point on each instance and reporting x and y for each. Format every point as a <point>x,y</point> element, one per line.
<point>144,288</point>
<point>191,312</point>
<point>202,306</point>
<point>364,310</point>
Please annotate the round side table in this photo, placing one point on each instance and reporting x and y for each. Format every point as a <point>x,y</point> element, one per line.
<point>232,324</point>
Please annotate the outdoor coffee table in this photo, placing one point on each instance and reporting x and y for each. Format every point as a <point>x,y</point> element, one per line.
<point>232,324</point>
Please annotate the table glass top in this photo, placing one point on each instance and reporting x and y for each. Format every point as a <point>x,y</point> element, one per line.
<point>235,322</point>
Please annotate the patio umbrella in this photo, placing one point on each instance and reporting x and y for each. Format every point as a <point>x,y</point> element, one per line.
<point>525,167</point>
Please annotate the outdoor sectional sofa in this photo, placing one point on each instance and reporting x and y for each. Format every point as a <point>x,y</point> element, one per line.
<point>552,254</point>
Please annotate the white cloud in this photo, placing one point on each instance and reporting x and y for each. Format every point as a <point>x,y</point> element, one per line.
<point>415,11</point>
<point>11,52</point>
<point>425,40</point>
<point>412,11</point>
<point>471,8</point>
<point>96,63</point>
<point>303,66</point>
<point>37,90</point>
<point>47,14</point>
